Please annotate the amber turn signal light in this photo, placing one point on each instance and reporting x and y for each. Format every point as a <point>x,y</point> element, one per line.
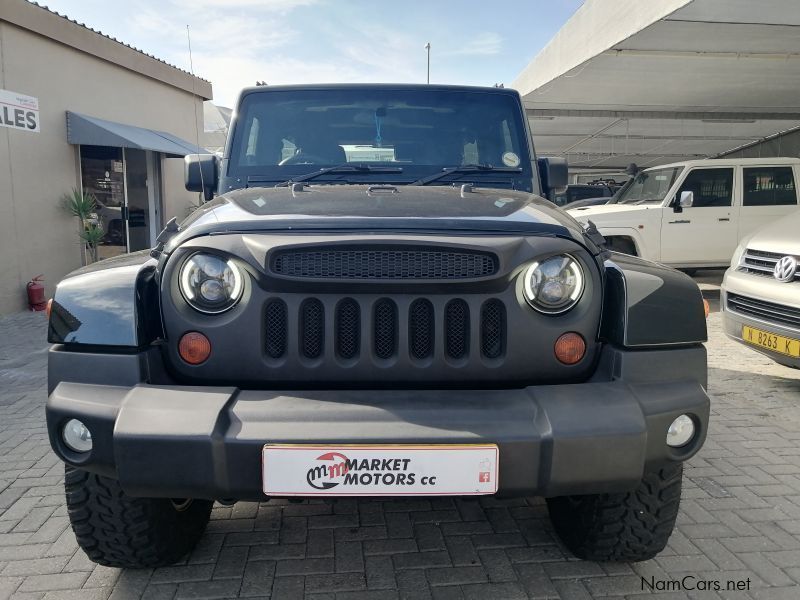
<point>194,348</point>
<point>706,307</point>
<point>49,308</point>
<point>570,348</point>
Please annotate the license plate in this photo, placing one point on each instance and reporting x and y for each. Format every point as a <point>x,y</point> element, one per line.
<point>770,341</point>
<point>380,470</point>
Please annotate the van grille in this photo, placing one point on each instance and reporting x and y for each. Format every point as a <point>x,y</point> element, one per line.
<point>377,264</point>
<point>760,262</point>
<point>421,319</point>
<point>766,311</point>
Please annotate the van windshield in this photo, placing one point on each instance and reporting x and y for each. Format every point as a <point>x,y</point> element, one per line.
<point>400,135</point>
<point>649,186</point>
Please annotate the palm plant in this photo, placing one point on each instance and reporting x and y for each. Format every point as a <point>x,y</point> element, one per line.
<point>83,206</point>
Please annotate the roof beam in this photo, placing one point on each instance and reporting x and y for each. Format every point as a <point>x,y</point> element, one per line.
<point>723,117</point>
<point>641,137</point>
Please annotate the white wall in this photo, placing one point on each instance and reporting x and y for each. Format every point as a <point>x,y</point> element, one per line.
<point>36,236</point>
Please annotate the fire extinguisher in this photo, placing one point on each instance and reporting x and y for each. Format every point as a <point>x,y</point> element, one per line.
<point>36,299</point>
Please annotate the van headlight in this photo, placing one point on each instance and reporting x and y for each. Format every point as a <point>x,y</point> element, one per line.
<point>210,284</point>
<point>738,255</point>
<point>554,285</point>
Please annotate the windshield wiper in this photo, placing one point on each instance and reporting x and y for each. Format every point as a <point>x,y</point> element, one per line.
<point>343,168</point>
<point>475,168</point>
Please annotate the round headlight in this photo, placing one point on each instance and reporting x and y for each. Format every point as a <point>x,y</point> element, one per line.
<point>210,284</point>
<point>554,285</point>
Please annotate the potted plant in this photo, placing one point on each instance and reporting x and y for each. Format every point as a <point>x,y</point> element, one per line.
<point>83,206</point>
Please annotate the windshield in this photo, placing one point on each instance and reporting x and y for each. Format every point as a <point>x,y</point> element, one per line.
<point>649,186</point>
<point>287,133</point>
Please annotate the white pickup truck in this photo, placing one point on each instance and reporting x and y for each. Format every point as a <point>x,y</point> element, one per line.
<point>693,214</point>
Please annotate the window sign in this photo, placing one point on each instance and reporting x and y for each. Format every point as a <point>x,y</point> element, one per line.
<point>19,111</point>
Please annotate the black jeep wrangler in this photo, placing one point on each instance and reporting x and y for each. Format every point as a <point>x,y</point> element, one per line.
<point>377,302</point>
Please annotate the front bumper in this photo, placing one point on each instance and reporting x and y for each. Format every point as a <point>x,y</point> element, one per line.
<point>759,288</point>
<point>205,442</point>
<point>734,322</point>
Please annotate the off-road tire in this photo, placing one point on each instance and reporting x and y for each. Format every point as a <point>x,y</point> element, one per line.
<point>625,527</point>
<point>116,530</point>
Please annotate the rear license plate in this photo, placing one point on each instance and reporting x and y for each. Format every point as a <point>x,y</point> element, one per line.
<point>379,470</point>
<point>770,341</point>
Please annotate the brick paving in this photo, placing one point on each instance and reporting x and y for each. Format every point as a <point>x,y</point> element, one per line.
<point>740,517</point>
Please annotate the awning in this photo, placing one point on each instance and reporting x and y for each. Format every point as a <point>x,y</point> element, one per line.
<point>91,131</point>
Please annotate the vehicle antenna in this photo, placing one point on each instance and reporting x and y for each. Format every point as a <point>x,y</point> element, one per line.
<point>194,103</point>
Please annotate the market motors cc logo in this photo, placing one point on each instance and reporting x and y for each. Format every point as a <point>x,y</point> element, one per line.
<point>330,473</point>
<point>785,269</point>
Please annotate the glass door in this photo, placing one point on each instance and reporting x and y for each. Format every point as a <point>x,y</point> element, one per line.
<point>138,199</point>
<point>102,175</point>
<point>125,183</point>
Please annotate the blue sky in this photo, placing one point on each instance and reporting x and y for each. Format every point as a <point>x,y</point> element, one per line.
<point>236,42</point>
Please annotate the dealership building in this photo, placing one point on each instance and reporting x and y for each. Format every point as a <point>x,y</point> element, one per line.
<point>80,110</point>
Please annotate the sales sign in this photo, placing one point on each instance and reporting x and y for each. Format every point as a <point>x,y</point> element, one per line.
<point>19,111</point>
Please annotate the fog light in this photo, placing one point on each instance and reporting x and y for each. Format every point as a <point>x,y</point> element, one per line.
<point>77,436</point>
<point>680,432</point>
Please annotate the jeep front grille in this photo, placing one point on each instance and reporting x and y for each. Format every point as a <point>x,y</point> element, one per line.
<point>760,262</point>
<point>420,329</point>
<point>276,328</point>
<point>493,328</point>
<point>312,328</point>
<point>422,321</point>
<point>380,264</point>
<point>385,328</point>
<point>765,311</point>
<point>348,328</point>
<point>457,329</point>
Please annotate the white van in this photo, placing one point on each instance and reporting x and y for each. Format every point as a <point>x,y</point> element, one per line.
<point>692,214</point>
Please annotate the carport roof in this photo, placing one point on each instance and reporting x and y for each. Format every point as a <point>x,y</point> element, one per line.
<point>656,82</point>
<point>91,131</point>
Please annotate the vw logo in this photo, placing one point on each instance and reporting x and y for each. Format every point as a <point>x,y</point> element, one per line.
<point>785,269</point>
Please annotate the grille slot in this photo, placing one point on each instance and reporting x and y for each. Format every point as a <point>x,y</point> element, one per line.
<point>766,311</point>
<point>420,329</point>
<point>385,328</point>
<point>377,264</point>
<point>493,328</point>
<point>456,319</point>
<point>276,330</point>
<point>312,328</point>
<point>348,328</point>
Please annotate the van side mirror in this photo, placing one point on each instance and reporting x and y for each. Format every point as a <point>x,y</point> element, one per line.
<point>553,173</point>
<point>201,174</point>
<point>685,200</point>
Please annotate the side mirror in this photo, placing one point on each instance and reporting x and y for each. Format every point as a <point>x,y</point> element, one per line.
<point>685,200</point>
<point>554,174</point>
<point>201,174</point>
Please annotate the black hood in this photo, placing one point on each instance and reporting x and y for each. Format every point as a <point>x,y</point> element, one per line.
<point>380,208</point>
